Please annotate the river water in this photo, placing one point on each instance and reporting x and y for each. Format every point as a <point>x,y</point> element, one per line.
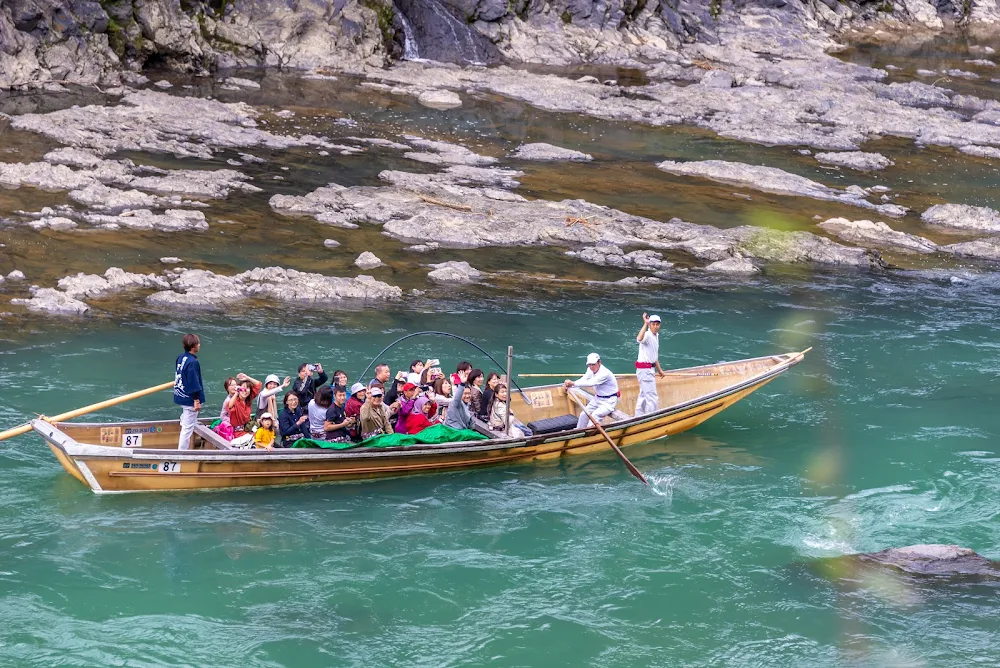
<point>884,436</point>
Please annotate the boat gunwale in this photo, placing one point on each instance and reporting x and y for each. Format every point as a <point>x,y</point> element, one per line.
<point>454,447</point>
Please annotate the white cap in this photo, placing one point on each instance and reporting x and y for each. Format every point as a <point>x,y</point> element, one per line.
<point>654,318</point>
<point>357,387</point>
<point>266,415</point>
<point>376,392</point>
<point>593,358</point>
<point>272,379</point>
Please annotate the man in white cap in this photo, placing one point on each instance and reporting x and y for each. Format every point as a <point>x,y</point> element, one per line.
<point>605,387</point>
<point>649,359</point>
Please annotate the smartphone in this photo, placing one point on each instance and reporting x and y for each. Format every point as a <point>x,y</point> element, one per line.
<point>310,367</point>
<point>400,375</point>
<point>433,363</point>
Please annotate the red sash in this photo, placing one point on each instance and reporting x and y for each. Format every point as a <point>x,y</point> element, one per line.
<point>644,365</point>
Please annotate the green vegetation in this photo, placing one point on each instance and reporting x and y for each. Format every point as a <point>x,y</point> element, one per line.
<point>386,17</point>
<point>885,6</point>
<point>567,17</point>
<point>715,9</point>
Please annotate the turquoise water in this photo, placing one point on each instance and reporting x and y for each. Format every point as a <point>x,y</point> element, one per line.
<point>886,435</point>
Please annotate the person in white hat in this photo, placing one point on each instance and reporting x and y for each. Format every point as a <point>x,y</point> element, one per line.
<point>605,387</point>
<point>359,393</point>
<point>266,400</point>
<point>649,359</point>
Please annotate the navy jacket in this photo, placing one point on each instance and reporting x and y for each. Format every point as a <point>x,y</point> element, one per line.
<point>187,381</point>
<point>290,431</point>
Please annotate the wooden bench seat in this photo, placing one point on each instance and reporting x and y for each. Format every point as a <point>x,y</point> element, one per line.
<point>211,438</point>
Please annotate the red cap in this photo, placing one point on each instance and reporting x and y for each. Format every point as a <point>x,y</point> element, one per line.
<point>408,387</point>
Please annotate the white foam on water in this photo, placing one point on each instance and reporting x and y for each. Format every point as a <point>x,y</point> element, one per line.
<point>662,485</point>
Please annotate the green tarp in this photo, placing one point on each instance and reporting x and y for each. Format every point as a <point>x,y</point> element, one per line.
<point>438,433</point>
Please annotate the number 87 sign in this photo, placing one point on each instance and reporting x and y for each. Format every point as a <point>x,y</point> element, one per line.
<point>131,440</point>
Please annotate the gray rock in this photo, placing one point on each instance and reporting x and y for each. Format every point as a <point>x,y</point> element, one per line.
<point>877,234</point>
<point>16,275</point>
<point>547,152</point>
<point>981,151</point>
<point>201,288</point>
<point>50,300</point>
<point>454,273</point>
<point>443,153</point>
<point>171,220</point>
<point>439,99</point>
<point>733,265</point>
<point>163,84</point>
<point>331,243</point>
<point>963,217</point>
<point>368,260</point>
<point>242,83</point>
<point>170,260</point>
<point>718,79</point>
<point>613,256</point>
<point>774,180</point>
<point>981,249</point>
<point>962,74</point>
<point>114,280</point>
<point>73,157</point>
<point>934,560</point>
<point>864,162</point>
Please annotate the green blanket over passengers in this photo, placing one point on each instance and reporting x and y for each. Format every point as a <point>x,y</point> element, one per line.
<point>438,433</point>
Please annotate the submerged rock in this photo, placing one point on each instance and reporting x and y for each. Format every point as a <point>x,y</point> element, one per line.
<point>454,273</point>
<point>877,234</point>
<point>439,99</point>
<point>368,260</point>
<point>547,152</point>
<point>859,160</point>
<point>774,180</point>
<point>963,217</point>
<point>330,243</point>
<point>934,560</point>
<point>171,220</point>
<point>443,153</point>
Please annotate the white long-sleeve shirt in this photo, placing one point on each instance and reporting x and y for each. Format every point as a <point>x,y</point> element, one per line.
<point>649,348</point>
<point>604,382</point>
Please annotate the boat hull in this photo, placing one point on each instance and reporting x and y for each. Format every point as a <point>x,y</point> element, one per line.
<point>109,469</point>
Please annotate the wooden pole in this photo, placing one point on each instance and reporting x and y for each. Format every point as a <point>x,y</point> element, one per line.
<point>510,365</point>
<point>629,465</point>
<point>25,428</point>
<point>617,375</point>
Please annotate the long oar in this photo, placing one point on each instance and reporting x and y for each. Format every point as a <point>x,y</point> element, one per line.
<point>631,467</point>
<point>25,428</point>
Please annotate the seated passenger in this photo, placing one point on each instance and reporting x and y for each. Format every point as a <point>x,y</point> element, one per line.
<point>241,403</point>
<point>292,421</point>
<point>264,436</point>
<point>416,368</point>
<point>498,415</point>
<point>406,405</point>
<point>337,424</point>
<point>424,415</point>
<point>374,417</point>
<point>353,408</point>
<point>462,366</point>
<point>459,414</point>
<point>441,393</point>
<point>339,379</point>
<point>317,409</point>
<point>266,400</point>
<point>225,427</point>
<point>476,383</point>
<point>492,380</point>
<point>305,385</point>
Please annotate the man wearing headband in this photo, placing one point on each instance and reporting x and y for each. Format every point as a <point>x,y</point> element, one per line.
<point>649,359</point>
<point>605,387</point>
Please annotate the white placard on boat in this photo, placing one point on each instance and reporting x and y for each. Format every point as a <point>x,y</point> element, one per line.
<point>131,440</point>
<point>170,467</point>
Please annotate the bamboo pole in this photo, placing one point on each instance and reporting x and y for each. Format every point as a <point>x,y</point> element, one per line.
<point>25,428</point>
<point>629,465</point>
<point>510,365</point>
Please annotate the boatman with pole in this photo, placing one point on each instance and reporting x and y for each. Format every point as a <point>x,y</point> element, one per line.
<point>605,387</point>
<point>649,359</point>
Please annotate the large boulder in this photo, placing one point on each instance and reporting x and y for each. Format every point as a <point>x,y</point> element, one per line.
<point>934,560</point>
<point>963,217</point>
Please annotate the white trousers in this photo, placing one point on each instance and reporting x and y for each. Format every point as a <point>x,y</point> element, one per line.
<point>189,418</point>
<point>599,408</point>
<point>649,400</point>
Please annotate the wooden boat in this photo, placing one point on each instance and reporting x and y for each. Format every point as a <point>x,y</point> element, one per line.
<point>143,456</point>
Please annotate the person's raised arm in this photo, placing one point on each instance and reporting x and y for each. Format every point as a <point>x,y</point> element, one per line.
<point>586,380</point>
<point>322,377</point>
<point>645,327</point>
